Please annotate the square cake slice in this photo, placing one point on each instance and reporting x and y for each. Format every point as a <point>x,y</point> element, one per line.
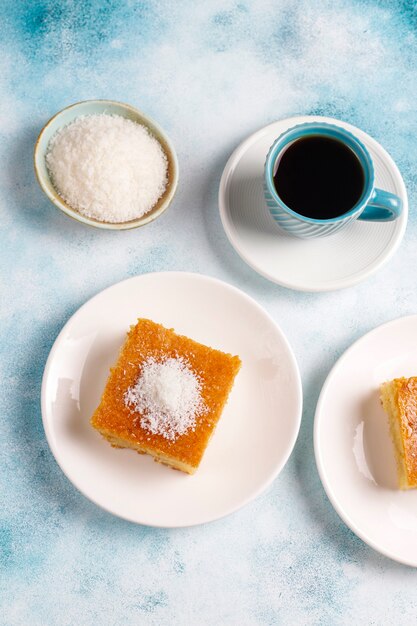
<point>165,395</point>
<point>399,399</point>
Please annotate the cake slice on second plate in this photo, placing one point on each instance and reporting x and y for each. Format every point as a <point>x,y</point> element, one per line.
<point>399,399</point>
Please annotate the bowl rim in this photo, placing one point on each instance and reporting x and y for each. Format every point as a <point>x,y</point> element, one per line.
<point>156,131</point>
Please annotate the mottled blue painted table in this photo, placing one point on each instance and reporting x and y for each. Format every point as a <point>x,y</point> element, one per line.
<point>210,73</point>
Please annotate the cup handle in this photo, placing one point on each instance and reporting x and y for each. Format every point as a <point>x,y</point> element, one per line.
<point>382,207</point>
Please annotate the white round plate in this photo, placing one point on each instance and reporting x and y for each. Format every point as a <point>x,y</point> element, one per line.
<point>324,264</point>
<point>354,451</point>
<point>254,437</point>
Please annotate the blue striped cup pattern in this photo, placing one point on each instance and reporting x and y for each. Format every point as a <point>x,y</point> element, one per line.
<point>374,204</point>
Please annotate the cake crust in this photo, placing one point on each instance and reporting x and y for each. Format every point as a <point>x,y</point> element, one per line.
<point>399,399</point>
<point>120,425</point>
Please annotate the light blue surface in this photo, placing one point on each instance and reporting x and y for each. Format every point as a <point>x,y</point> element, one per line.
<point>210,73</point>
<point>374,204</point>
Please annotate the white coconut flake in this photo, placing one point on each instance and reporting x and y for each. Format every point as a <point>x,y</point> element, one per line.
<point>167,394</point>
<point>107,167</point>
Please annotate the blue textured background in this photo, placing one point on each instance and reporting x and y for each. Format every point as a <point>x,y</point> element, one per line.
<point>210,73</point>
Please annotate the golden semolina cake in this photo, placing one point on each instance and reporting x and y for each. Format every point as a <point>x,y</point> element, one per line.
<point>165,395</point>
<point>399,399</point>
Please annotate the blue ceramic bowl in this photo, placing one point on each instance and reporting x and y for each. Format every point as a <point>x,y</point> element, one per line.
<point>90,107</point>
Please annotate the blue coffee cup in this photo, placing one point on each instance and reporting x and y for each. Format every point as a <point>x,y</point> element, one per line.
<point>374,205</point>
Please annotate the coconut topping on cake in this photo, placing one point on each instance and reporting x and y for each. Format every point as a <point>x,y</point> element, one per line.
<point>167,394</point>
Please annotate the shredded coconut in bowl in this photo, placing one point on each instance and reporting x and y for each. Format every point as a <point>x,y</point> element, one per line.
<point>168,396</point>
<point>107,167</point>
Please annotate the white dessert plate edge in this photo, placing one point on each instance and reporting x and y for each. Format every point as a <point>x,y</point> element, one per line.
<point>396,368</point>
<point>151,467</point>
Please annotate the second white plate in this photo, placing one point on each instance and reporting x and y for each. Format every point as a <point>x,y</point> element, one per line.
<point>324,264</point>
<point>354,451</point>
<point>255,435</point>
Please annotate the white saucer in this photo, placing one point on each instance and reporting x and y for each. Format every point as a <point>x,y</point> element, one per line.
<point>354,451</point>
<point>255,435</point>
<point>334,262</point>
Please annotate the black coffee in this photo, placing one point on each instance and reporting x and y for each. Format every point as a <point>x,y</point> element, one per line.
<point>319,177</point>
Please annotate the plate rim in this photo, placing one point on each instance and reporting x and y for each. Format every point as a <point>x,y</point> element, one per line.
<point>298,397</point>
<point>343,514</point>
<point>228,225</point>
